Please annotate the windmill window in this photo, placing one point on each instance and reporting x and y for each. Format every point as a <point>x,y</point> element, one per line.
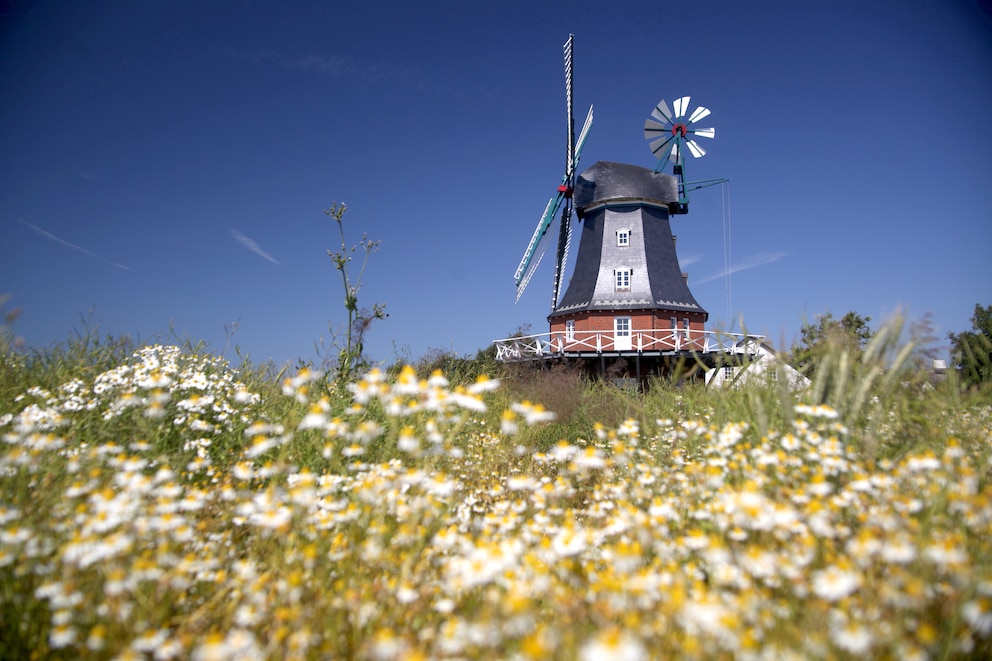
<point>728,372</point>
<point>570,329</point>
<point>623,238</point>
<point>685,326</point>
<point>623,279</point>
<point>621,325</point>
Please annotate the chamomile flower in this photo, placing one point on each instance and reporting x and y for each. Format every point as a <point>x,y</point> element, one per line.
<point>408,441</point>
<point>834,583</point>
<point>353,450</point>
<point>532,413</point>
<point>62,635</point>
<point>235,644</point>
<point>613,644</point>
<point>297,386</point>
<point>850,636</point>
<point>978,614</point>
<point>483,384</point>
<point>260,445</point>
<point>817,411</point>
<point>508,423</point>
<point>316,418</point>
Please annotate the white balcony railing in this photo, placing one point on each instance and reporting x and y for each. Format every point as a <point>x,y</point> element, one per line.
<point>548,345</point>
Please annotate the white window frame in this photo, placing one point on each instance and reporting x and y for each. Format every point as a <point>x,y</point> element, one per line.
<point>621,278</point>
<point>570,330</point>
<point>623,237</point>
<point>622,333</point>
<point>685,327</point>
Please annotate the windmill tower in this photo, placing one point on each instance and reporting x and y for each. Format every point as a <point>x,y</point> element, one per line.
<point>627,296</point>
<point>627,279</point>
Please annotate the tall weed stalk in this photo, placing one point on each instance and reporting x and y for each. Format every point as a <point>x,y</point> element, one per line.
<point>351,350</point>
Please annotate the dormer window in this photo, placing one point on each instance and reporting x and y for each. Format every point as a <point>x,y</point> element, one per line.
<point>623,279</point>
<point>623,238</point>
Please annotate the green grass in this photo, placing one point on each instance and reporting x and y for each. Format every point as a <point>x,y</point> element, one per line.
<point>158,502</point>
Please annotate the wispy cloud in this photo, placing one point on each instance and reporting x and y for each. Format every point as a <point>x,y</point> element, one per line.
<point>67,244</point>
<point>689,259</point>
<point>252,246</point>
<point>334,65</point>
<point>751,262</point>
<point>88,176</point>
<point>343,66</point>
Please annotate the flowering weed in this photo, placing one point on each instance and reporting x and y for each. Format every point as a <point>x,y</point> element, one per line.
<point>161,508</point>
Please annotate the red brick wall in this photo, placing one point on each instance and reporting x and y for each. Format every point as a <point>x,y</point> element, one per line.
<point>655,324</point>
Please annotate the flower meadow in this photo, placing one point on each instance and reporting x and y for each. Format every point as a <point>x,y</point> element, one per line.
<point>165,509</point>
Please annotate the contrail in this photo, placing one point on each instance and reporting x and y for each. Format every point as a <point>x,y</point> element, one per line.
<point>49,235</point>
<point>252,246</point>
<point>757,260</point>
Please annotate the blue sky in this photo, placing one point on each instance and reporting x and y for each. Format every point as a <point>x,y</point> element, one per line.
<point>165,164</point>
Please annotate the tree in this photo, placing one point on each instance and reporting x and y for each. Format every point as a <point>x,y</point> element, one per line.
<point>971,351</point>
<point>851,333</point>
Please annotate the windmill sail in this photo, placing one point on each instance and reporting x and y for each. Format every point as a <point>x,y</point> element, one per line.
<point>539,241</point>
<point>667,132</point>
<point>671,135</point>
<point>565,232</point>
<point>565,225</point>
<point>535,249</point>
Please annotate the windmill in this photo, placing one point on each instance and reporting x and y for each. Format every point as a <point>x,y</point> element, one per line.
<point>627,303</point>
<point>628,292</point>
<point>671,135</point>
<point>562,200</point>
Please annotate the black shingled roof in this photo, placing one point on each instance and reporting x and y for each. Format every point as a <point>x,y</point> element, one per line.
<point>614,196</point>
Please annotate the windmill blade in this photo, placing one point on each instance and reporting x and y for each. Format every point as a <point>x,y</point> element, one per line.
<point>653,129</point>
<point>567,48</point>
<point>539,242</point>
<point>583,134</point>
<point>565,193</point>
<point>698,114</point>
<point>537,246</point>
<point>694,147</point>
<point>662,145</point>
<point>539,249</point>
<point>539,235</point>
<point>564,241</point>
<point>676,155</point>
<point>662,113</point>
<point>703,133</point>
<point>681,105</point>
<point>530,274</point>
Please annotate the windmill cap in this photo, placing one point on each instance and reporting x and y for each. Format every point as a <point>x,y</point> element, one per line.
<point>605,181</point>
